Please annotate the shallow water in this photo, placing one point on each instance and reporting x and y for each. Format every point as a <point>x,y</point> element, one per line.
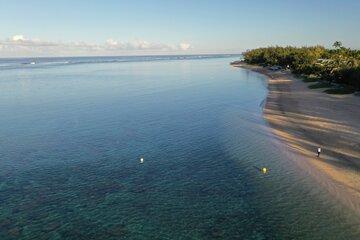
<point>72,136</point>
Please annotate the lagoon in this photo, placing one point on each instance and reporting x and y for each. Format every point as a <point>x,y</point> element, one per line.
<point>73,131</point>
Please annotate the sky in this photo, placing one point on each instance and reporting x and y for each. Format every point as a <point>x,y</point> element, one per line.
<point>140,27</point>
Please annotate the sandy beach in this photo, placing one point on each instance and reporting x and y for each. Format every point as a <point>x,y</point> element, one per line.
<point>304,119</point>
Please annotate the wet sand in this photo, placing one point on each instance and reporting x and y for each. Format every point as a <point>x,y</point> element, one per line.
<point>304,119</point>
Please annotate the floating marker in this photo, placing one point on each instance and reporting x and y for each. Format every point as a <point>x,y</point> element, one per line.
<point>141,160</point>
<point>264,170</point>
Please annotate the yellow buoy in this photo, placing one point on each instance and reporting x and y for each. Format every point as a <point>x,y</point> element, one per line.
<point>264,170</point>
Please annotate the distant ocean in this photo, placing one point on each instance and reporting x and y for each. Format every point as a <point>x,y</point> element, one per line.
<point>73,130</point>
<point>11,63</point>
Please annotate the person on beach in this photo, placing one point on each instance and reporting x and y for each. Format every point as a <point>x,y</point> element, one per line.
<point>318,151</point>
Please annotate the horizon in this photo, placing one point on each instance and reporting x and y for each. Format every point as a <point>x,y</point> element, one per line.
<point>115,56</point>
<point>67,29</point>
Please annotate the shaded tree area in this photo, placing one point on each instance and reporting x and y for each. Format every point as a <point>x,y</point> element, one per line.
<point>337,65</point>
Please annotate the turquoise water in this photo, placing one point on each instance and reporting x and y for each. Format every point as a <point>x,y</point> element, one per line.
<point>72,136</point>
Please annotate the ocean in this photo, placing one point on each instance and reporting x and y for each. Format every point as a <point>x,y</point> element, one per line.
<point>73,130</point>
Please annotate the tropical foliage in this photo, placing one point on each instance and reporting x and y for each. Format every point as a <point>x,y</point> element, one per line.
<point>338,65</point>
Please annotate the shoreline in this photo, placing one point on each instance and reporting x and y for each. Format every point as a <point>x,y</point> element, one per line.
<point>303,119</point>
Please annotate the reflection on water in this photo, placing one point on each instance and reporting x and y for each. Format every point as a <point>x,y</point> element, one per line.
<point>71,138</point>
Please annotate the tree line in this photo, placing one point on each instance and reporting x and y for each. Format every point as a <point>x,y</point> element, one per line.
<point>339,65</point>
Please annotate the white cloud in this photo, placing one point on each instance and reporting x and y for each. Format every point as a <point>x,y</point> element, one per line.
<point>18,38</point>
<point>111,42</point>
<point>19,45</point>
<point>184,46</point>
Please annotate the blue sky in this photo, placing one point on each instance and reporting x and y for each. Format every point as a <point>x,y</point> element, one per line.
<point>82,27</point>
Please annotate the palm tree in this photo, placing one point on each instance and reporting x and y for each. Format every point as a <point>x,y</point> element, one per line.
<point>337,44</point>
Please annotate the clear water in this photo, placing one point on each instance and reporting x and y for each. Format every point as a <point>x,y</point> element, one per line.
<point>71,136</point>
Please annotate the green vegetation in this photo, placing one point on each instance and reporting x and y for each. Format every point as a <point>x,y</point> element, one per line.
<point>310,78</point>
<point>320,85</point>
<point>339,65</point>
